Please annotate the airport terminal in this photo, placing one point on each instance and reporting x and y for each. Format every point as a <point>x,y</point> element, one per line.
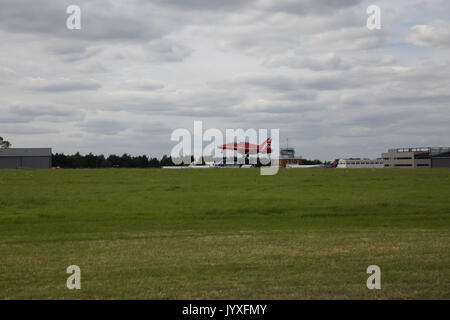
<point>417,158</point>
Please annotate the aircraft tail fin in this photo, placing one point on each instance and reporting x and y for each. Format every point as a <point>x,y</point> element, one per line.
<point>334,164</point>
<point>265,147</point>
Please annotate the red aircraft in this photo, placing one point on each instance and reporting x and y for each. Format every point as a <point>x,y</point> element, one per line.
<point>247,148</point>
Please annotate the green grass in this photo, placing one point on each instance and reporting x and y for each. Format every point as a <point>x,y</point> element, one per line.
<point>225,233</point>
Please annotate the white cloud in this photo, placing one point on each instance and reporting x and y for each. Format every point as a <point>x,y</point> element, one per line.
<point>436,34</point>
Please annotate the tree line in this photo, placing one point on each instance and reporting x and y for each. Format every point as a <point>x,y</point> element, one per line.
<point>125,161</point>
<point>90,160</point>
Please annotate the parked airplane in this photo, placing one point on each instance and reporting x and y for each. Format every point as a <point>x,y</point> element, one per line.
<point>246,148</point>
<point>308,166</point>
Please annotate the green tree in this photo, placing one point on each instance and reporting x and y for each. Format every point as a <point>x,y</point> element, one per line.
<point>154,163</point>
<point>166,161</point>
<point>4,143</point>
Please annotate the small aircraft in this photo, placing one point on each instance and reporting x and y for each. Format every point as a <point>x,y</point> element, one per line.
<point>246,148</point>
<point>329,165</point>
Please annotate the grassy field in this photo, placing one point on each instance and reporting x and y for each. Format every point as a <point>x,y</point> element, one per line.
<point>225,233</point>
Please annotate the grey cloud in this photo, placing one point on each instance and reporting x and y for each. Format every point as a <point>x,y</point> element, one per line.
<point>212,5</point>
<point>145,85</point>
<point>19,129</point>
<point>101,20</point>
<point>152,128</point>
<point>431,100</point>
<point>329,61</point>
<point>7,75</point>
<point>73,52</point>
<point>104,127</point>
<point>263,33</point>
<point>303,7</point>
<point>277,83</point>
<point>43,113</point>
<point>273,82</point>
<point>379,118</point>
<point>62,85</point>
<point>306,7</point>
<point>278,107</point>
<point>347,39</point>
<point>199,103</point>
<point>167,50</point>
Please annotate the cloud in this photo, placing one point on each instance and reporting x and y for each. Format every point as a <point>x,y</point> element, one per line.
<point>6,75</point>
<point>103,127</point>
<point>208,5</point>
<point>276,31</point>
<point>145,85</point>
<point>436,34</point>
<point>42,113</point>
<point>61,85</point>
<point>167,50</point>
<point>138,69</point>
<point>329,61</point>
<point>306,7</point>
<point>100,20</point>
<point>27,130</point>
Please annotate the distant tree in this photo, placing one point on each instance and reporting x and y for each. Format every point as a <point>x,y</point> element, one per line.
<point>4,144</point>
<point>60,160</point>
<point>126,161</point>
<point>166,161</point>
<point>113,160</point>
<point>140,162</point>
<point>78,161</point>
<point>154,163</point>
<point>309,162</point>
<point>90,160</point>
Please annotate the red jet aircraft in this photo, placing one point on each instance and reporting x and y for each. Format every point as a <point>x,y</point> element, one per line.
<point>247,148</point>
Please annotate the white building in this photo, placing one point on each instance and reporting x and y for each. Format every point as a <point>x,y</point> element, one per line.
<point>361,163</point>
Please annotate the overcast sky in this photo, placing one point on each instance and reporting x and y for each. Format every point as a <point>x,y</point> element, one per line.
<point>139,69</point>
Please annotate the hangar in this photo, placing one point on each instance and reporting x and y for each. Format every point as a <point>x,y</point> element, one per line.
<point>417,158</point>
<point>25,158</point>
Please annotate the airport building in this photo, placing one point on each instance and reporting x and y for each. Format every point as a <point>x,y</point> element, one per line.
<point>417,158</point>
<point>25,158</point>
<point>287,156</point>
<point>360,163</point>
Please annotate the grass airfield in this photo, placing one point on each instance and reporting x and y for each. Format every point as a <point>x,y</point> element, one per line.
<point>225,233</point>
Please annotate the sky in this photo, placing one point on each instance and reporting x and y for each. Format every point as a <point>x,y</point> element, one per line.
<point>137,70</point>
